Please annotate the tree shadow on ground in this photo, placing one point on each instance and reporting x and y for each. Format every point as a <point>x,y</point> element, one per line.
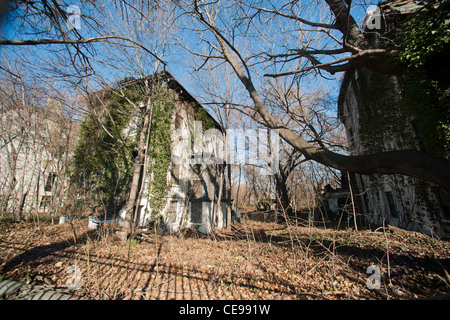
<point>119,278</point>
<point>405,268</point>
<point>39,253</point>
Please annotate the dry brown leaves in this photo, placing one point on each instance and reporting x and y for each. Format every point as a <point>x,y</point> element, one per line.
<point>258,260</point>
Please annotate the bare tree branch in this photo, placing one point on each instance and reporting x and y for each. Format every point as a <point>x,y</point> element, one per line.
<point>77,41</point>
<point>347,25</point>
<point>408,162</point>
<point>296,18</point>
<point>330,66</point>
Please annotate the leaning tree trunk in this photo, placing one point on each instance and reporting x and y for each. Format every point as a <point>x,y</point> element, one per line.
<point>137,168</point>
<point>411,163</point>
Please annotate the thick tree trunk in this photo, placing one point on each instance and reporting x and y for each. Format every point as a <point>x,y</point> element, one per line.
<point>347,25</point>
<point>282,192</point>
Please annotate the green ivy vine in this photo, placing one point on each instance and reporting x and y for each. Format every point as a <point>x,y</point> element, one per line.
<point>159,152</point>
<point>202,115</point>
<point>103,158</point>
<point>425,43</point>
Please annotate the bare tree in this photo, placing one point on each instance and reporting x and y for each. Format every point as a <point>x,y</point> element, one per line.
<point>60,23</point>
<point>37,138</point>
<point>220,91</point>
<point>221,34</point>
<point>111,41</point>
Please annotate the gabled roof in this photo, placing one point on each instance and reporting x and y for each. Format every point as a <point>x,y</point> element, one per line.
<point>172,84</point>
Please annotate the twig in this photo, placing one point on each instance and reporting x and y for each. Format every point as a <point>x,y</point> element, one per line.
<point>361,281</point>
<point>77,42</point>
<point>353,201</point>
<point>387,253</point>
<point>445,272</point>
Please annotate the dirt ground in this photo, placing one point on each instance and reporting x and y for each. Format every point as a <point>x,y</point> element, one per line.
<point>257,260</point>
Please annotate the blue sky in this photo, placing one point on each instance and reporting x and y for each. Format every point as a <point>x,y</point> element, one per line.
<point>116,66</point>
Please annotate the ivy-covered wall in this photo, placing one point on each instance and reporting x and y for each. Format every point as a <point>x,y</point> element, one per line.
<point>178,195</point>
<point>407,111</point>
<point>159,151</point>
<point>378,98</point>
<point>375,121</point>
<point>103,160</point>
<point>425,43</point>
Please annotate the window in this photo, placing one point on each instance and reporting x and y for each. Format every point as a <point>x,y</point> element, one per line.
<point>178,120</point>
<point>45,201</point>
<point>175,174</point>
<point>50,182</point>
<point>197,181</point>
<point>392,209</point>
<point>197,189</point>
<point>173,210</point>
<point>443,199</point>
<point>196,211</point>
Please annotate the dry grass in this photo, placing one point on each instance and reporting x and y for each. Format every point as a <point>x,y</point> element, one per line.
<point>258,260</point>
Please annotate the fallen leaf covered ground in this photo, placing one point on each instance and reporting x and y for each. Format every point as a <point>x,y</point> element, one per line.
<point>256,260</point>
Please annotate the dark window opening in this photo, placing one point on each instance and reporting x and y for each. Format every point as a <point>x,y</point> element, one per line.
<point>443,198</point>
<point>50,182</point>
<point>392,209</point>
<point>197,181</point>
<point>45,200</point>
<point>196,211</point>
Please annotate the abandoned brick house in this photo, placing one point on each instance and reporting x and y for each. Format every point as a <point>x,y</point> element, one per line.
<point>181,179</point>
<point>369,106</point>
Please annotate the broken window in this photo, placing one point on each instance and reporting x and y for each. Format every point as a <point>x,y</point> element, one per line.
<point>196,211</point>
<point>50,182</point>
<point>45,200</point>
<point>197,181</point>
<point>443,199</point>
<point>175,174</point>
<point>392,209</point>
